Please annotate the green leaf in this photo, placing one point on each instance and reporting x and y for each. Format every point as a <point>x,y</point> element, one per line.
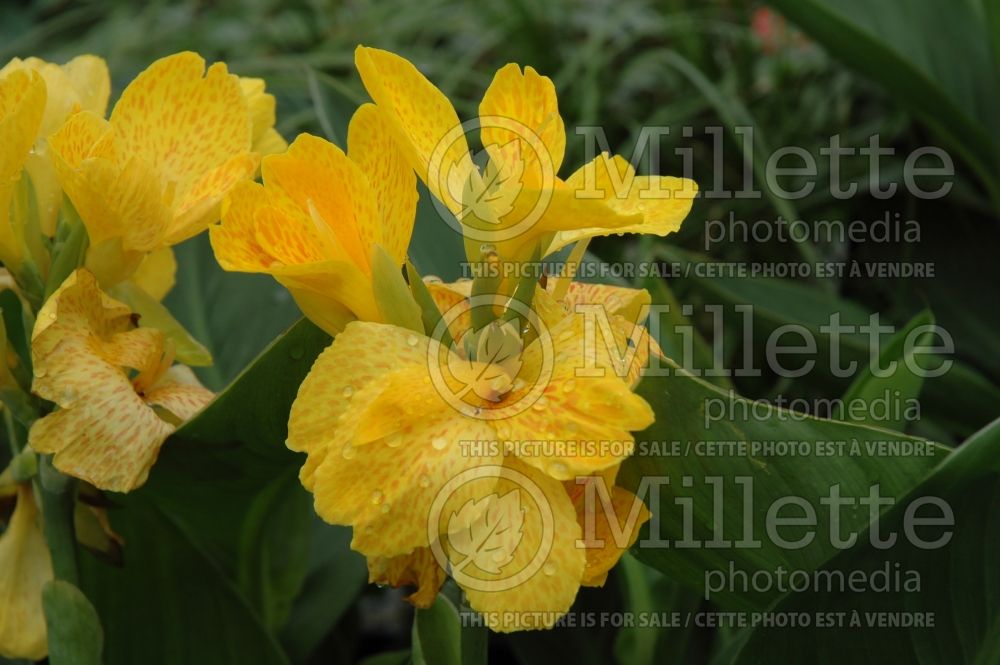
<point>691,415</point>
<point>274,548</point>
<point>392,295</point>
<point>437,634</point>
<point>959,585</point>
<point>898,45</point>
<point>649,593</point>
<point>153,314</point>
<point>235,315</point>
<point>74,631</point>
<point>170,602</point>
<point>903,384</point>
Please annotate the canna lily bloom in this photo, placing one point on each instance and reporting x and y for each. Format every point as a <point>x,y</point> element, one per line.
<point>83,83</point>
<point>384,436</point>
<point>25,567</point>
<point>318,217</point>
<point>154,174</point>
<point>118,392</point>
<point>22,107</point>
<point>518,202</point>
<point>266,139</point>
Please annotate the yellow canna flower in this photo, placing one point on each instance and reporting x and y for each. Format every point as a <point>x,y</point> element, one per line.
<point>266,139</point>
<point>389,418</point>
<point>25,567</point>
<point>518,202</point>
<point>319,215</point>
<point>118,392</point>
<point>154,174</point>
<point>22,107</point>
<point>83,83</point>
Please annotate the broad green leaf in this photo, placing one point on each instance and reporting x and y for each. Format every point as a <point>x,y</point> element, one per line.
<point>274,548</point>
<point>702,432</point>
<point>902,384</point>
<point>959,584</point>
<point>74,632</point>
<point>437,634</point>
<point>651,594</point>
<point>170,603</point>
<point>335,577</point>
<point>898,44</point>
<point>235,315</point>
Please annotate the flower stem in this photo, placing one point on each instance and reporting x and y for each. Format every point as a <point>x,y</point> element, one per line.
<point>58,503</point>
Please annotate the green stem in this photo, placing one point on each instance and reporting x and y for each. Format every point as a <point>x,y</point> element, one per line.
<point>58,504</point>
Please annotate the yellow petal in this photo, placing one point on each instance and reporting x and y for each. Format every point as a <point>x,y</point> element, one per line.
<point>22,105</point>
<point>103,431</point>
<point>606,542</point>
<point>266,141</point>
<point>329,190</point>
<point>521,107</point>
<point>81,84</point>
<point>91,81</point>
<point>418,568</point>
<point>426,125</point>
<point>371,146</point>
<point>201,202</point>
<point>661,202</point>
<point>25,567</point>
<point>234,241</point>
<point>116,201</point>
<point>157,273</point>
<point>179,392</point>
<point>545,570</point>
<point>183,120</point>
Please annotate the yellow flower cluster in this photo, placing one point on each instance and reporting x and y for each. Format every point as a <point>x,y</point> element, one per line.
<point>415,420</point>
<point>90,205</point>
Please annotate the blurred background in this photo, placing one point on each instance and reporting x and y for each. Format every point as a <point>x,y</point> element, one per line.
<point>846,68</point>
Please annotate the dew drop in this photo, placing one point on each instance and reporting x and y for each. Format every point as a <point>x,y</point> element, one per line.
<point>549,569</point>
<point>69,397</point>
<point>377,497</point>
<point>385,508</point>
<point>569,385</point>
<point>424,481</point>
<point>557,470</point>
<point>40,371</point>
<point>348,391</point>
<point>412,340</point>
<point>349,452</point>
<point>439,443</point>
<point>394,440</point>
<point>297,353</point>
<point>540,404</point>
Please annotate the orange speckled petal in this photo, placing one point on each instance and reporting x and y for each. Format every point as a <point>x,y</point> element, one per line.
<point>522,107</point>
<point>180,393</point>
<point>418,568</point>
<point>201,204</point>
<point>234,241</point>
<point>540,596</point>
<point>185,121</point>
<point>26,566</point>
<point>331,191</point>
<point>606,543</point>
<point>361,355</point>
<point>426,125</point>
<point>102,432</point>
<point>371,145</point>
<point>660,202</point>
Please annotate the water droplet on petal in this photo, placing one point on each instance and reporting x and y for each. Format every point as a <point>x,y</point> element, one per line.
<point>69,397</point>
<point>439,443</point>
<point>297,353</point>
<point>424,480</point>
<point>549,569</point>
<point>540,404</point>
<point>385,508</point>
<point>348,391</point>
<point>349,452</point>
<point>558,470</point>
<point>412,340</point>
<point>569,385</point>
<point>377,497</point>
